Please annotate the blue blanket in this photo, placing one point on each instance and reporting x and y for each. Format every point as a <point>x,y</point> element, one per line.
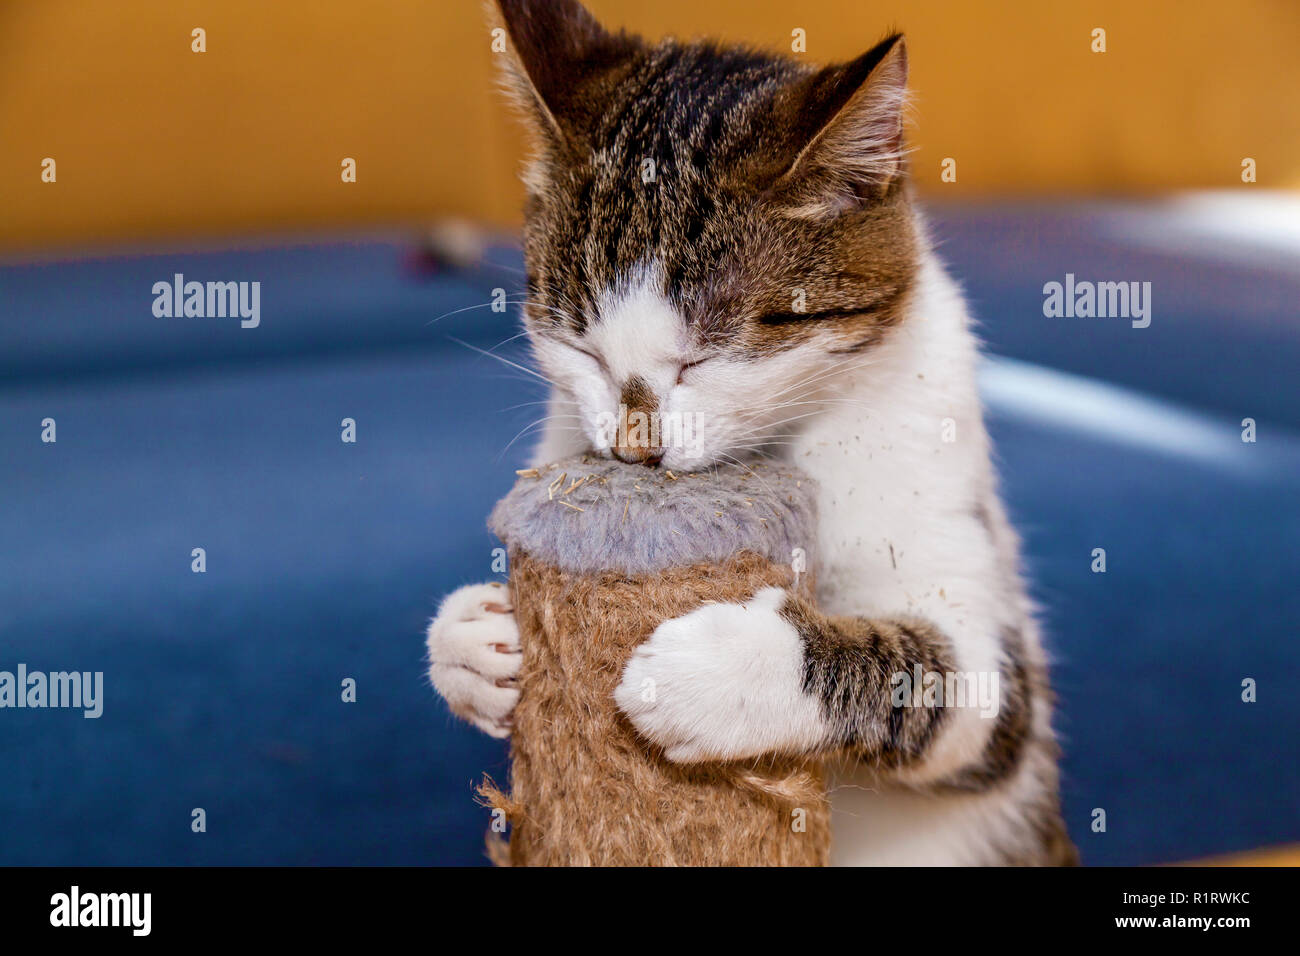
<point>223,690</point>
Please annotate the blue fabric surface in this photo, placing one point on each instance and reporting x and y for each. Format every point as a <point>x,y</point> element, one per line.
<point>325,559</point>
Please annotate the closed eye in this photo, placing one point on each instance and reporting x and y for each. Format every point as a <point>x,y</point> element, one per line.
<point>591,355</point>
<point>681,373</point>
<point>786,318</point>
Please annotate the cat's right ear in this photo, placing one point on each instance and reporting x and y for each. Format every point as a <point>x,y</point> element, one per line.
<point>555,54</point>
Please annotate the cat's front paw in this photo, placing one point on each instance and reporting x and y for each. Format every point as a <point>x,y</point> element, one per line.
<point>474,656</point>
<point>724,682</point>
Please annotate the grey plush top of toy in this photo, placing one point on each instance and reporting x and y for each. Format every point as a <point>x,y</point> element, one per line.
<point>590,514</point>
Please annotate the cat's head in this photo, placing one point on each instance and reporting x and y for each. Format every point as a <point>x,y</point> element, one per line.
<point>711,233</point>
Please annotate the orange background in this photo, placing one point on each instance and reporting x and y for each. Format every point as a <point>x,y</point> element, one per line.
<point>155,142</point>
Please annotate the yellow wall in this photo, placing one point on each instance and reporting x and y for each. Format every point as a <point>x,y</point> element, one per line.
<point>153,141</point>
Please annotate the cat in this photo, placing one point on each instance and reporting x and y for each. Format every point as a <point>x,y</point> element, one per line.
<point>730,234</point>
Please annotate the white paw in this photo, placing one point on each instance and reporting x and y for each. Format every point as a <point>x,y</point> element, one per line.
<point>474,655</point>
<point>724,682</point>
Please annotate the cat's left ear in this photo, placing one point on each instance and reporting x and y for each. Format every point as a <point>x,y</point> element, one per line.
<point>849,133</point>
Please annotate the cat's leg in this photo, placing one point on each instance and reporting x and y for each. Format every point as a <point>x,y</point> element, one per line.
<point>724,681</point>
<point>474,655</point>
<point>774,675</point>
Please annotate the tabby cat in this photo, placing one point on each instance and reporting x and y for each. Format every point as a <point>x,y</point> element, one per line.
<point>729,238</point>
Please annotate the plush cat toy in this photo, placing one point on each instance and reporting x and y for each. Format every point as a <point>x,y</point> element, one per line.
<point>601,554</point>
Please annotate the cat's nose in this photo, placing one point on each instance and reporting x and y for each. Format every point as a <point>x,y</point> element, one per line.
<point>650,457</point>
<point>638,440</point>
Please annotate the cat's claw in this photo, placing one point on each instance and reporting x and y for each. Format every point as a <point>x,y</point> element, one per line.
<point>474,656</point>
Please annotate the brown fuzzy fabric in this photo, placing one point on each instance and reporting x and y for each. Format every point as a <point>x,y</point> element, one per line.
<point>585,789</point>
<point>602,553</point>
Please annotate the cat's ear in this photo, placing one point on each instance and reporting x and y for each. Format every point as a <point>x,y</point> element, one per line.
<point>849,133</point>
<point>555,50</point>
